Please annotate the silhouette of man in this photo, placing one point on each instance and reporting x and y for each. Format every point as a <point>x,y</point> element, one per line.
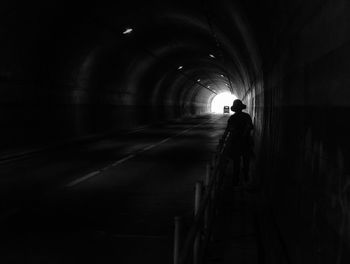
<point>239,142</point>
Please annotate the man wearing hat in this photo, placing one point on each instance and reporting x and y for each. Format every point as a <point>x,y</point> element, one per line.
<point>239,142</point>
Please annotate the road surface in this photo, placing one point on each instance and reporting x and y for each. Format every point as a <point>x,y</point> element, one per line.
<point>108,201</point>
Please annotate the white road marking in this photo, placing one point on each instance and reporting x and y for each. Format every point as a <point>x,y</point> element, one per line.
<point>92,174</point>
<point>137,130</point>
<point>122,160</point>
<point>84,178</point>
<point>163,141</point>
<point>149,147</point>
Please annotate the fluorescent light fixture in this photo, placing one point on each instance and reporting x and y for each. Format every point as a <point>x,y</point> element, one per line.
<point>127,31</point>
<point>180,67</point>
<point>211,56</point>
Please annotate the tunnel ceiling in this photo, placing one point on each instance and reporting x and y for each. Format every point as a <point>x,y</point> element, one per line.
<point>78,49</point>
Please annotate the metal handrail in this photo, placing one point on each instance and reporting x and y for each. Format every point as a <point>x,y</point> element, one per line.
<point>195,228</point>
<point>204,213</point>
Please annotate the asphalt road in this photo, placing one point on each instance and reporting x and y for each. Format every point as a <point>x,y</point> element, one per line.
<point>108,201</point>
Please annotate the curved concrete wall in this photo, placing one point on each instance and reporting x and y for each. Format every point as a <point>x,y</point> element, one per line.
<point>305,45</point>
<point>68,71</point>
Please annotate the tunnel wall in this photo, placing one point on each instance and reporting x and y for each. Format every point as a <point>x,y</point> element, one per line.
<point>71,78</point>
<point>79,76</point>
<point>305,157</point>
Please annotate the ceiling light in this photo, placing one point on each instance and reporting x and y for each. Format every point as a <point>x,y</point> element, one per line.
<point>180,67</point>
<point>211,56</point>
<point>127,31</point>
<point>198,80</point>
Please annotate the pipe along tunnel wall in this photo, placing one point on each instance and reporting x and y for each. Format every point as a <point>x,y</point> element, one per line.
<point>288,61</point>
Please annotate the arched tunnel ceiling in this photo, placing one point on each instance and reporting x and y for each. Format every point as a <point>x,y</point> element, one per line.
<point>79,49</point>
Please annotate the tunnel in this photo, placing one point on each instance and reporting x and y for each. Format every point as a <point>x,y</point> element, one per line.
<point>80,72</point>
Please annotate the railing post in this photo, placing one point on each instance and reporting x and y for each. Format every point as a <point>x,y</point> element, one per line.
<point>214,160</point>
<point>197,201</point>
<point>200,229</point>
<point>214,192</point>
<point>177,228</point>
<point>207,176</point>
<point>197,197</point>
<point>206,184</point>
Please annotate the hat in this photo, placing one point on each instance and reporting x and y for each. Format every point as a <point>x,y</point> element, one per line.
<point>237,105</point>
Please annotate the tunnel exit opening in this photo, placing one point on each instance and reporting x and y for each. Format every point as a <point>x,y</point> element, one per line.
<point>221,100</point>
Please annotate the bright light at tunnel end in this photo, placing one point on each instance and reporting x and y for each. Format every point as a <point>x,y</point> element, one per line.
<point>221,100</point>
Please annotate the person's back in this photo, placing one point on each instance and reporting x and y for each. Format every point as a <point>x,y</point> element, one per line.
<point>239,125</point>
<point>239,141</point>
